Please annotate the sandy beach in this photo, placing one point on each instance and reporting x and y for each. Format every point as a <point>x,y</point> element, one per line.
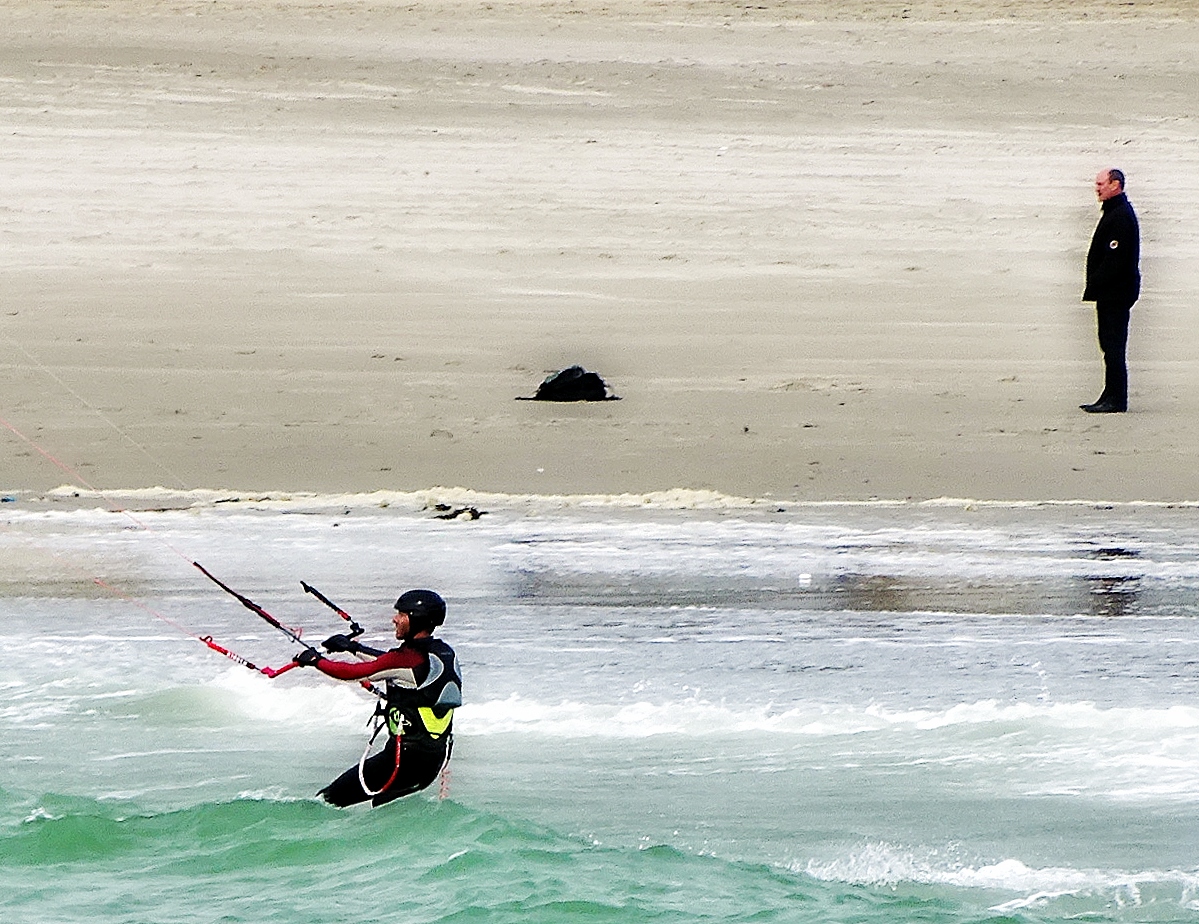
<point>821,250</point>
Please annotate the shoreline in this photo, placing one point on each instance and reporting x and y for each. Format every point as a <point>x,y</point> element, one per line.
<point>466,505</point>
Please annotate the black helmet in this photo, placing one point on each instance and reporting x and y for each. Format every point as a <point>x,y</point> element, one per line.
<point>425,609</point>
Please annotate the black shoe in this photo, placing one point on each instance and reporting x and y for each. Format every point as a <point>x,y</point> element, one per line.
<point>1104,407</point>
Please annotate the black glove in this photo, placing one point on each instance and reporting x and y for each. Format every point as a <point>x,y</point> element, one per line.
<point>338,643</point>
<point>308,657</point>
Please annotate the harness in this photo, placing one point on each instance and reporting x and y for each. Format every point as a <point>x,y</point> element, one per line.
<point>425,712</point>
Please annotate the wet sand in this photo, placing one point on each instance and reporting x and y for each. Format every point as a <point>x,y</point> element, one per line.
<point>822,251</point>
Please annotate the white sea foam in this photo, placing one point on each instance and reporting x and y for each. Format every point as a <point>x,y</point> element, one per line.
<point>883,864</point>
<point>321,703</point>
<point>275,794</point>
<point>696,717</point>
<point>670,499</point>
<point>1027,750</point>
<point>40,814</point>
<point>314,700</point>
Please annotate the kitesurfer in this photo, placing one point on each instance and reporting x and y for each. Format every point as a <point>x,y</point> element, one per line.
<point>423,686</point>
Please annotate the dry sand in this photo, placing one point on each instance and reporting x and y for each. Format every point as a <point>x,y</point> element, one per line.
<point>822,250</point>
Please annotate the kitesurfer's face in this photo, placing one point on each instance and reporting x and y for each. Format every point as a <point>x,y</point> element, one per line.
<point>402,622</point>
<point>1105,186</point>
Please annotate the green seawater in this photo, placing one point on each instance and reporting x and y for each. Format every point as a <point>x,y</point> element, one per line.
<point>842,717</point>
<point>301,862</point>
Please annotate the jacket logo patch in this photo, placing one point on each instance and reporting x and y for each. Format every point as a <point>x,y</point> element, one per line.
<point>1114,244</point>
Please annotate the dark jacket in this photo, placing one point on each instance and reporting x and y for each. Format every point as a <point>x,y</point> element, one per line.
<point>1114,260</point>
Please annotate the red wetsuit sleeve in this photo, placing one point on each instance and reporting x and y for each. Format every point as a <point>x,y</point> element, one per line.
<point>397,664</point>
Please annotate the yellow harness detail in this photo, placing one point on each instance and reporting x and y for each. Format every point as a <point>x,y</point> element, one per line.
<point>436,727</point>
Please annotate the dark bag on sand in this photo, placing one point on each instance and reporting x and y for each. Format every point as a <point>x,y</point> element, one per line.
<point>573,384</point>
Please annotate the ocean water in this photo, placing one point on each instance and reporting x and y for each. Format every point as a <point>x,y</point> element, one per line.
<point>882,713</point>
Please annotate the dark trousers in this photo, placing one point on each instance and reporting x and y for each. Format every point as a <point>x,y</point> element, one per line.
<point>1113,341</point>
<point>420,762</point>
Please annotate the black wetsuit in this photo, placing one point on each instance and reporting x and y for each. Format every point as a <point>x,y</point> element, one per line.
<point>424,686</point>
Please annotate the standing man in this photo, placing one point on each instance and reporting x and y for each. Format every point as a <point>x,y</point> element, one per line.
<point>1113,284</point>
